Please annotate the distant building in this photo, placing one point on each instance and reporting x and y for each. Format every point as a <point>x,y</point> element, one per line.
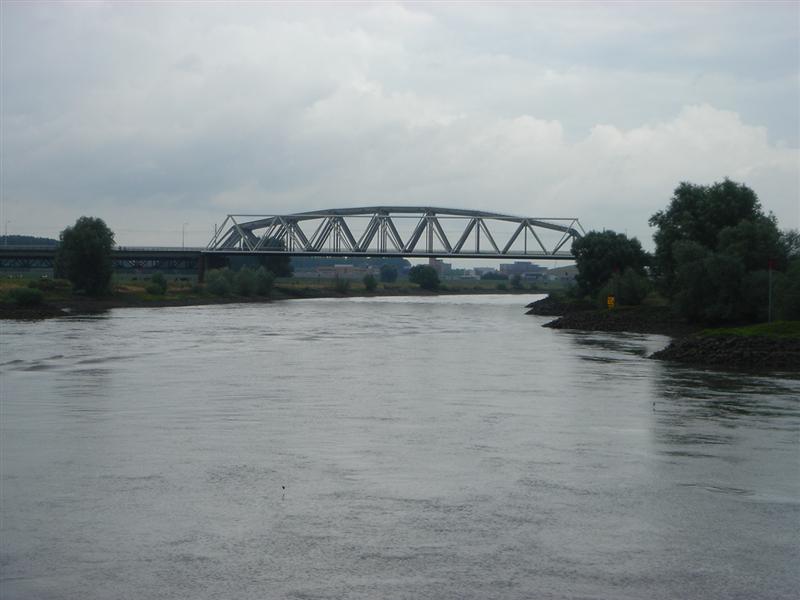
<point>520,267</point>
<point>567,273</point>
<point>481,271</point>
<point>442,268</point>
<point>344,272</point>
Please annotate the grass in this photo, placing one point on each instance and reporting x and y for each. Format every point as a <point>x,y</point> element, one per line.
<point>133,290</point>
<point>776,329</point>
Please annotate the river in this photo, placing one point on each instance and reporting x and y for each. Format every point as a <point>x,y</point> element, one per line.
<point>436,447</point>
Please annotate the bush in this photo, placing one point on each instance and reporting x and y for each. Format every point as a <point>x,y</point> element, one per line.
<point>47,284</point>
<point>516,282</point>
<point>26,296</point>
<point>388,274</point>
<point>424,276</point>
<point>341,286</point>
<point>629,289</point>
<point>158,285</point>
<point>245,282</point>
<point>265,281</point>
<point>217,282</point>
<point>370,283</point>
<point>502,287</point>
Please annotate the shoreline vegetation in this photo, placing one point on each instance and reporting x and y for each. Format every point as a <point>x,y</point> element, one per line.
<point>57,299</point>
<point>762,347</point>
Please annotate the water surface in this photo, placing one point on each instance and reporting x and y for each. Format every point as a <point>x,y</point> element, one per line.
<point>443,447</point>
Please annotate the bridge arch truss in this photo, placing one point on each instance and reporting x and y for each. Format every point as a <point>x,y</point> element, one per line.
<point>398,231</point>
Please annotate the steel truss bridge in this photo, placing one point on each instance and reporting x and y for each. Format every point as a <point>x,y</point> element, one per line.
<point>408,231</point>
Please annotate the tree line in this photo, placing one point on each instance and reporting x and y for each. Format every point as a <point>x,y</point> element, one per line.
<point>718,259</point>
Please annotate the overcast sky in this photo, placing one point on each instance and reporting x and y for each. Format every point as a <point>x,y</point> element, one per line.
<point>154,115</point>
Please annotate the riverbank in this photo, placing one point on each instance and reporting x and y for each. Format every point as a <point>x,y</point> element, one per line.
<point>60,302</point>
<point>728,350</point>
<point>639,319</point>
<point>773,346</point>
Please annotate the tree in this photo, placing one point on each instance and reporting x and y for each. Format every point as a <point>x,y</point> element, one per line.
<point>629,289</point>
<point>158,285</point>
<point>698,213</point>
<point>424,276</point>
<point>245,282</point>
<point>265,280</point>
<point>600,254</point>
<point>370,282</point>
<point>218,282</point>
<point>84,255</point>
<point>388,274</point>
<point>279,265</point>
<point>714,245</point>
<point>790,239</point>
<point>756,242</point>
<point>787,292</point>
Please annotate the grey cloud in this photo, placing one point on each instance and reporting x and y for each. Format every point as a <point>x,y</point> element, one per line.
<point>198,110</point>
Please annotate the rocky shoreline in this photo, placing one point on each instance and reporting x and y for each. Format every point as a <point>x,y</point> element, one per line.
<point>644,319</point>
<point>732,351</point>
<point>689,346</point>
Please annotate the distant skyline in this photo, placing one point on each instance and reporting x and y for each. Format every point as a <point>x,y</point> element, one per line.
<point>156,115</point>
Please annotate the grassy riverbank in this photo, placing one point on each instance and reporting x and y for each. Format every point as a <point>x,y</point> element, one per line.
<point>55,297</point>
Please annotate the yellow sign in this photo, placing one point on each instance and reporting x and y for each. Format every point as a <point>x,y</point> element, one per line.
<point>611,301</point>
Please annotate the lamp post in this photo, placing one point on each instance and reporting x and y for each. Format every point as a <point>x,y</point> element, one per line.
<point>183,236</point>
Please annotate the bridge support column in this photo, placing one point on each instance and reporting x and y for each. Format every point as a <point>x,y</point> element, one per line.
<point>201,268</point>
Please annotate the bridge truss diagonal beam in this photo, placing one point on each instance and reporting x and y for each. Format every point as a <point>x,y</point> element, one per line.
<point>397,231</point>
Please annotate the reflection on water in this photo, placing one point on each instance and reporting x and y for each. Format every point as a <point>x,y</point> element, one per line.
<point>385,448</point>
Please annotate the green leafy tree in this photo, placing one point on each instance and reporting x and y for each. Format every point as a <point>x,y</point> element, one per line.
<point>516,282</point>
<point>265,281</point>
<point>424,276</point>
<point>245,282</point>
<point>279,265</point>
<point>388,274</point>
<point>218,282</point>
<point>714,245</point>
<point>158,285</point>
<point>790,239</point>
<point>697,213</point>
<point>786,292</point>
<point>756,242</point>
<point>601,254</point>
<point>25,297</point>
<point>370,283</point>
<point>629,288</point>
<point>84,255</point>
<point>341,285</point>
